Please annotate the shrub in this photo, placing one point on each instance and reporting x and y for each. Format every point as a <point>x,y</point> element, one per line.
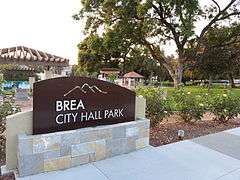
<point>225,106</point>
<point>158,106</point>
<point>189,106</point>
<point>6,108</point>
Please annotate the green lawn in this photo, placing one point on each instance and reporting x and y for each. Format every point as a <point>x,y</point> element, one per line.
<point>202,90</point>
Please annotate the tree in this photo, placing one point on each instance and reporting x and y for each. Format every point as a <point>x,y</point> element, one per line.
<point>154,22</point>
<point>110,50</point>
<point>220,56</point>
<point>138,60</point>
<point>94,54</point>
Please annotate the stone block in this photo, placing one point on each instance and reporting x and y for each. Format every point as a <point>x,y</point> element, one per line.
<point>25,146</point>
<point>108,152</point>
<point>57,163</point>
<point>119,132</point>
<point>131,144</point>
<point>100,150</point>
<point>143,132</point>
<point>105,134</point>
<point>30,164</point>
<point>143,123</point>
<point>142,142</point>
<point>61,150</point>
<point>81,149</point>
<point>132,131</point>
<point>67,140</point>
<point>79,160</point>
<point>46,143</point>
<point>51,154</point>
<point>91,135</point>
<point>116,146</point>
<point>65,149</point>
<point>73,137</point>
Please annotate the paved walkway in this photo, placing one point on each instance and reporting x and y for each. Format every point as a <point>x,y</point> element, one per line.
<point>212,157</point>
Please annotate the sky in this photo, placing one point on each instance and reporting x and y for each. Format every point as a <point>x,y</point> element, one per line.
<point>47,25</point>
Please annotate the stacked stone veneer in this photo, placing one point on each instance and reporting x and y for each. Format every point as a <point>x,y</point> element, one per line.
<point>61,150</point>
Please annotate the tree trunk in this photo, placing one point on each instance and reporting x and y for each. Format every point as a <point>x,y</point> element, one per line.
<point>176,81</point>
<point>210,82</point>
<point>231,80</point>
<point>123,68</point>
<point>150,78</point>
<point>177,76</point>
<point>175,73</point>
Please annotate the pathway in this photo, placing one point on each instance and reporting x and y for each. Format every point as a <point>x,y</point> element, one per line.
<point>212,157</point>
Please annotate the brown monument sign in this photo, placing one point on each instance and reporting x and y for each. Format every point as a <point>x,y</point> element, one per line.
<point>68,103</point>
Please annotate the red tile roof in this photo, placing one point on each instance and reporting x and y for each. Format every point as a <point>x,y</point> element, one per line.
<point>133,75</point>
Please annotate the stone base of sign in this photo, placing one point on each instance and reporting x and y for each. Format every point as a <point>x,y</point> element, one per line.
<point>61,150</point>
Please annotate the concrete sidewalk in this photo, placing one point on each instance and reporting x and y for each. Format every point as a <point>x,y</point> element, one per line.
<point>212,157</point>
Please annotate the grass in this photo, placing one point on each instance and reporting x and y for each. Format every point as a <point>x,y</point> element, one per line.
<point>202,90</point>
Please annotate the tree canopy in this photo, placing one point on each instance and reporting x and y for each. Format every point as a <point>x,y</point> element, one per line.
<point>220,56</point>
<point>97,52</point>
<point>152,23</point>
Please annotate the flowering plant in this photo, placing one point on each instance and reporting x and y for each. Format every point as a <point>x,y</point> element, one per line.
<point>158,105</point>
<point>225,106</point>
<point>189,106</point>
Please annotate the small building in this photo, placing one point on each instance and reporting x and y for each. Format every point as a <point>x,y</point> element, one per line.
<point>131,79</point>
<point>105,73</point>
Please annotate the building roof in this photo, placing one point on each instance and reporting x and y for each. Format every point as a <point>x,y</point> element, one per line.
<point>21,68</point>
<point>27,56</point>
<point>133,75</point>
<point>109,71</point>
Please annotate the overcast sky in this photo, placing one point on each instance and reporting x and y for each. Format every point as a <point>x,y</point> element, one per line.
<point>45,25</point>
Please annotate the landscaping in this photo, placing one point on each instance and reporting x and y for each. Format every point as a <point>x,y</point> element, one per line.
<point>134,76</point>
<point>7,107</point>
<point>195,110</point>
<point>205,59</point>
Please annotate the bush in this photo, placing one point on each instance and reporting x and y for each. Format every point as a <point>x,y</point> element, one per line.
<point>158,106</point>
<point>6,108</point>
<point>224,106</point>
<point>189,106</point>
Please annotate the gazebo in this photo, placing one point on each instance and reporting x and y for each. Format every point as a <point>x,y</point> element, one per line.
<point>131,79</point>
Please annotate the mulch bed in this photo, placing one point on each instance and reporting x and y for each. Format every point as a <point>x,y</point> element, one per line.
<point>165,133</point>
